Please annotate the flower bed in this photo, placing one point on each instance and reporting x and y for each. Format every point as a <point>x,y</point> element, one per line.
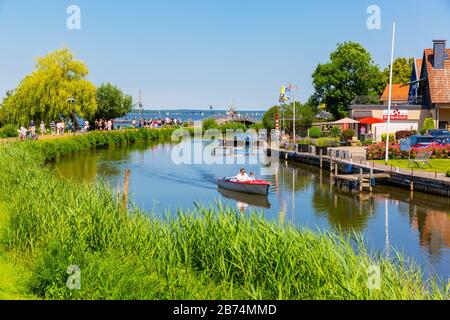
<point>378,151</point>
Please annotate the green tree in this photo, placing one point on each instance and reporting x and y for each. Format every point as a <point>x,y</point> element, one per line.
<point>400,74</point>
<point>269,117</point>
<point>44,94</point>
<point>304,116</point>
<point>350,72</point>
<point>112,103</point>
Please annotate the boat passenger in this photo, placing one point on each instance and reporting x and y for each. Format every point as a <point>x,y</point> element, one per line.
<point>242,176</point>
<point>252,176</point>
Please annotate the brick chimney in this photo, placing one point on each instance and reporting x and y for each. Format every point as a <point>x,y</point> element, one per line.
<point>439,54</point>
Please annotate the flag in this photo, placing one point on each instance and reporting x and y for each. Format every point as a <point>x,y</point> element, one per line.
<point>283,98</point>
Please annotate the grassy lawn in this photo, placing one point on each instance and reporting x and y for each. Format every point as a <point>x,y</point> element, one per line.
<point>439,165</point>
<point>12,274</point>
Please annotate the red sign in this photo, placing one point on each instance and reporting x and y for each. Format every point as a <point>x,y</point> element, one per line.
<point>396,115</point>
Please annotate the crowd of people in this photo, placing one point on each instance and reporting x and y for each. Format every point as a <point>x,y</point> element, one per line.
<point>58,128</point>
<point>61,127</point>
<point>104,125</point>
<point>155,123</point>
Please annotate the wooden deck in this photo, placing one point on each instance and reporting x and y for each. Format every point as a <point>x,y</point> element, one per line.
<point>359,182</point>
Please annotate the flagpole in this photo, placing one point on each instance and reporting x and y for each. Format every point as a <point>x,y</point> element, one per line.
<point>390,93</point>
<point>293,99</point>
<point>290,92</point>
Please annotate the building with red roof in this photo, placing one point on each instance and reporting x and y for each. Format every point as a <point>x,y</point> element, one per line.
<point>426,96</point>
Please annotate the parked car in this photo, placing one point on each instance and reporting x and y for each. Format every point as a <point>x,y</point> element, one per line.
<point>443,139</point>
<point>436,133</point>
<point>419,141</point>
<point>424,141</point>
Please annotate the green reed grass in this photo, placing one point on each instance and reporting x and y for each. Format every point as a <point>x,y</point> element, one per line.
<point>211,253</point>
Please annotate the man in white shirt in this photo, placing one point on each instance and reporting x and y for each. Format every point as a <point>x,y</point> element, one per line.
<point>242,176</point>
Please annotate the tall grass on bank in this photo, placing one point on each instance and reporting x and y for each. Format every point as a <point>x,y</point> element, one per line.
<point>207,254</point>
<point>55,148</point>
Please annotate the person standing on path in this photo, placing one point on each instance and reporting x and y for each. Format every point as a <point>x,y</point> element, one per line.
<point>53,128</point>
<point>42,127</point>
<point>32,127</point>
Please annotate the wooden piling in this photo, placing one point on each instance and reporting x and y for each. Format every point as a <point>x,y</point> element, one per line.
<point>126,184</point>
<point>331,166</point>
<point>321,158</point>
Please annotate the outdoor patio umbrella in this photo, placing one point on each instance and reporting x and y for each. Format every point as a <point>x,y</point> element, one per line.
<point>346,121</point>
<point>371,121</point>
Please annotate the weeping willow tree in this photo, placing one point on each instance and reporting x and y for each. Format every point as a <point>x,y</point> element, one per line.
<point>57,88</point>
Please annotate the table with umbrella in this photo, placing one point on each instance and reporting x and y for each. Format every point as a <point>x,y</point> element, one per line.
<point>345,123</point>
<point>367,123</point>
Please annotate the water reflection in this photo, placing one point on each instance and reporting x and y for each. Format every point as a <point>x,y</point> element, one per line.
<point>245,200</point>
<point>414,223</point>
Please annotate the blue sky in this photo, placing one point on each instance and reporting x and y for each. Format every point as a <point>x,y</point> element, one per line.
<point>196,53</point>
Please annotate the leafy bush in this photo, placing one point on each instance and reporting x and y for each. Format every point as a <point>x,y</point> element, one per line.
<point>327,142</point>
<point>9,131</point>
<point>404,134</point>
<point>335,132</point>
<point>291,147</point>
<point>347,134</point>
<point>321,142</point>
<point>428,124</point>
<point>257,126</point>
<point>210,124</point>
<point>305,141</point>
<point>448,173</point>
<point>391,137</point>
<point>368,142</point>
<point>315,132</point>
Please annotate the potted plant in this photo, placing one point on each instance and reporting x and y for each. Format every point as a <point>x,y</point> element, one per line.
<point>347,136</point>
<point>324,143</point>
<point>303,145</point>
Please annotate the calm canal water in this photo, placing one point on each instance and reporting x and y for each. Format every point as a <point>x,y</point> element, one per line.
<point>415,224</point>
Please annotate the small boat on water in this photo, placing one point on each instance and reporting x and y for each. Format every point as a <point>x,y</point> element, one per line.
<point>252,187</point>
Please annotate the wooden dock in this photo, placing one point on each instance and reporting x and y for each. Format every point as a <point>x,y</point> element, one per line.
<point>359,182</point>
<point>413,180</point>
